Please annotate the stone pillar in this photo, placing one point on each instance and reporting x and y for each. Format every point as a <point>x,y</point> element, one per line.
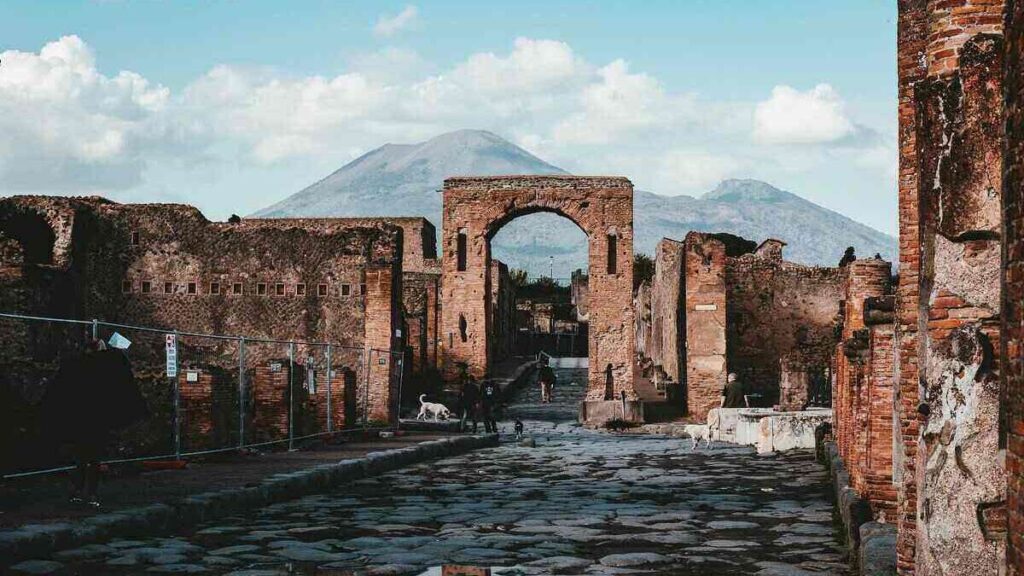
<point>792,384</point>
<point>705,323</point>
<point>950,196</point>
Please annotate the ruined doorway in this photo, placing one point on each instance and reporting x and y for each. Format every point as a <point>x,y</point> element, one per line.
<point>602,207</point>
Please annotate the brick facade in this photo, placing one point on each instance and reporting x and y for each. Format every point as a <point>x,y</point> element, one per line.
<point>476,208</point>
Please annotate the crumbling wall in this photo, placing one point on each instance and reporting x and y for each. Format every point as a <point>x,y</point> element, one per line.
<point>163,265</point>
<point>667,345</point>
<point>779,312</point>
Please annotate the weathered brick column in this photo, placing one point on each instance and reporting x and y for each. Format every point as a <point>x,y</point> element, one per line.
<point>1013,287</point>
<point>667,309</point>
<point>476,208</point>
<point>383,320</point>
<point>705,293</point>
<point>952,488</point>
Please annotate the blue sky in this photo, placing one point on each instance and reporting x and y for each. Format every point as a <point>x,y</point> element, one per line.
<point>233,105</point>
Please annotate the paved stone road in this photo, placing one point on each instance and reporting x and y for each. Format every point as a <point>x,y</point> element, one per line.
<point>579,502</point>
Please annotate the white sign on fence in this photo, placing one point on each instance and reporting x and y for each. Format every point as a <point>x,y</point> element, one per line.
<point>172,355</point>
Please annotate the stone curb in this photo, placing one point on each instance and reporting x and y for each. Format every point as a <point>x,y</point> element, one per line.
<point>43,540</point>
<point>871,546</point>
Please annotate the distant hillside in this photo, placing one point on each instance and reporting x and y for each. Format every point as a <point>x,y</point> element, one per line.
<point>404,179</point>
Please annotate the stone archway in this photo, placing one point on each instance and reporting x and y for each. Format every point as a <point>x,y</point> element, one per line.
<point>476,208</point>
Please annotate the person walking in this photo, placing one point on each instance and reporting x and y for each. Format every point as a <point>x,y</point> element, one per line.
<point>546,377</point>
<point>489,393</point>
<point>89,399</point>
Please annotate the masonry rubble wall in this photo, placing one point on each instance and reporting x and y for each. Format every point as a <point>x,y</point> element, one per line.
<point>165,265</point>
<point>780,323</point>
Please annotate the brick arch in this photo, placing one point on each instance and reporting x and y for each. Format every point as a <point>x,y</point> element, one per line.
<point>477,208</point>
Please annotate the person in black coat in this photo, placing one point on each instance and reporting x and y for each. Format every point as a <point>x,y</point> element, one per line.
<point>89,399</point>
<point>489,394</point>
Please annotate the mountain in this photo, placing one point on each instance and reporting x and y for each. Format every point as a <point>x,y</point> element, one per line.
<point>403,180</point>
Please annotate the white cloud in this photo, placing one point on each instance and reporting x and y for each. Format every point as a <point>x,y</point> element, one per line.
<point>693,171</point>
<point>390,25</point>
<point>64,124</point>
<point>67,128</point>
<point>816,116</point>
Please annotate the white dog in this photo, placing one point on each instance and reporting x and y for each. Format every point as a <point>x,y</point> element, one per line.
<point>698,432</point>
<point>436,409</point>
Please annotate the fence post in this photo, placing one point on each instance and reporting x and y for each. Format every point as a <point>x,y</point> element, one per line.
<point>95,329</point>
<point>241,392</point>
<point>330,368</point>
<point>366,389</point>
<point>291,396</point>
<point>177,398</point>
<point>401,380</point>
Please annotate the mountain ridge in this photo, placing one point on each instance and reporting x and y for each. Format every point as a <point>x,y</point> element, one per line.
<point>403,180</point>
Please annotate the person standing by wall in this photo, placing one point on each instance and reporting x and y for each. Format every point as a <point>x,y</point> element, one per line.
<point>90,399</point>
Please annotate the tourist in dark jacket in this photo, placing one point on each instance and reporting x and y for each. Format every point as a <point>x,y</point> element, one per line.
<point>89,399</point>
<point>546,377</point>
<point>489,393</point>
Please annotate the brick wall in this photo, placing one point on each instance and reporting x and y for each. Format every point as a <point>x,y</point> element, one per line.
<point>503,312</point>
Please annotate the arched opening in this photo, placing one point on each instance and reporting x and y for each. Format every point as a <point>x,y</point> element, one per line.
<point>483,209</point>
<point>539,281</point>
<point>32,234</point>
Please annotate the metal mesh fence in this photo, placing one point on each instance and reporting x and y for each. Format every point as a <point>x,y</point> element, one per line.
<point>210,393</point>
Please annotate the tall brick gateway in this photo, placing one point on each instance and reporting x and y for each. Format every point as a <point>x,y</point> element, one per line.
<point>475,209</point>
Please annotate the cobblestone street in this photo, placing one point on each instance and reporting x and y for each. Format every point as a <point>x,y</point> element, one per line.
<point>579,502</point>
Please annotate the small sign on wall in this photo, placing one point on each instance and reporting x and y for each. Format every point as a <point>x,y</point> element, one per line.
<point>706,307</point>
<point>171,343</point>
<point>275,366</point>
<point>192,375</point>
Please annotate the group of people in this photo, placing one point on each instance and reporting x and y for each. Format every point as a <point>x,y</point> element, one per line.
<point>477,402</point>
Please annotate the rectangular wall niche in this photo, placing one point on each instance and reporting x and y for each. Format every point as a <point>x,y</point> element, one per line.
<point>613,245</point>
<point>461,250</point>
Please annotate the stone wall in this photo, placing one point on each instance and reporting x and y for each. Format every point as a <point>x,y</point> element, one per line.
<point>1013,287</point>
<point>667,344</point>
<point>476,208</point>
<point>779,313</point>
<point>166,266</point>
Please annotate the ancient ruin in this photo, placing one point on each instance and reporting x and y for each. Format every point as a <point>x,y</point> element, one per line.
<point>476,208</point>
